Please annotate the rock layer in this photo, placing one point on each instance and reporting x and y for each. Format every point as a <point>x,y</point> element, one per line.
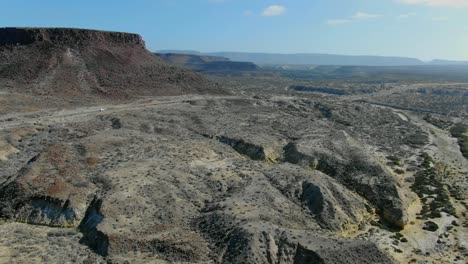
<point>67,36</point>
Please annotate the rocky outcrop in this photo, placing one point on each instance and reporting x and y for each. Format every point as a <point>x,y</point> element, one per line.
<point>334,207</point>
<point>51,189</point>
<point>331,205</point>
<point>245,148</point>
<point>67,36</point>
<point>304,256</point>
<point>92,236</point>
<point>269,153</point>
<point>48,211</point>
<point>358,172</point>
<point>272,244</point>
<point>104,242</point>
<point>330,202</point>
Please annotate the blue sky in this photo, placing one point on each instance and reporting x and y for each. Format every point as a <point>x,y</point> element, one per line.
<point>424,29</point>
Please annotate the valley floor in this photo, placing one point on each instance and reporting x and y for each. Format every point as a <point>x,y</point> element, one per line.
<point>265,175</point>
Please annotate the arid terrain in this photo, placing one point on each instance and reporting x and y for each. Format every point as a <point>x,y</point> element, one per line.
<point>108,154</point>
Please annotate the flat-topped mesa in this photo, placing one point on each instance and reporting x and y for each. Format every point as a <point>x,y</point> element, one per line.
<point>66,36</point>
<point>90,65</point>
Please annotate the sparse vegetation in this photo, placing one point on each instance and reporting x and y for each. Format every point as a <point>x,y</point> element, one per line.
<point>430,189</point>
<point>251,172</point>
<point>460,131</point>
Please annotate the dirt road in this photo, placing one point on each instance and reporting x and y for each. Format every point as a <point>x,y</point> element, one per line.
<point>63,116</point>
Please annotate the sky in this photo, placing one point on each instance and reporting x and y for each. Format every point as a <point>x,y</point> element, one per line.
<point>424,29</point>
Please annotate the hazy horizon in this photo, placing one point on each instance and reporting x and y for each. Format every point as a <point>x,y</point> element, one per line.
<point>422,29</point>
<point>188,51</point>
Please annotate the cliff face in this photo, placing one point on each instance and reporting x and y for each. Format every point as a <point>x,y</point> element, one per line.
<point>89,64</point>
<point>66,36</point>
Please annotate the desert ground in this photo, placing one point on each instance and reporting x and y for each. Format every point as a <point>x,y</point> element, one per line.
<point>239,169</point>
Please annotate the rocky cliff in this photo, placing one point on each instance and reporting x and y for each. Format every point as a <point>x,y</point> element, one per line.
<point>66,36</point>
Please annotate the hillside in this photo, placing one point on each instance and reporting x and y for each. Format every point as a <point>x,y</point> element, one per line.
<point>208,64</point>
<point>76,63</point>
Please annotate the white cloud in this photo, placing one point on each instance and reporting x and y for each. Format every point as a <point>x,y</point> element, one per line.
<point>452,3</point>
<point>274,10</point>
<point>355,17</point>
<point>338,21</point>
<point>440,19</point>
<point>363,15</point>
<point>407,15</point>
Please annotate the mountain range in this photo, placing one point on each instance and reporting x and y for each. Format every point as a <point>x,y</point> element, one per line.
<point>318,59</point>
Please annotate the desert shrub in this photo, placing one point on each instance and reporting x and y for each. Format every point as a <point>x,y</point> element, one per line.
<point>460,132</point>
<point>102,180</point>
<point>428,181</point>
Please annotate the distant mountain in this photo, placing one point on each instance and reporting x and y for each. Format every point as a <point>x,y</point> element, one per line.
<point>189,52</point>
<point>308,59</point>
<point>433,72</point>
<point>208,64</point>
<point>185,59</point>
<point>447,62</point>
<point>318,59</point>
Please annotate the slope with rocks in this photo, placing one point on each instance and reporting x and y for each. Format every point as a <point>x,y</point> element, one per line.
<point>156,184</point>
<point>88,64</point>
